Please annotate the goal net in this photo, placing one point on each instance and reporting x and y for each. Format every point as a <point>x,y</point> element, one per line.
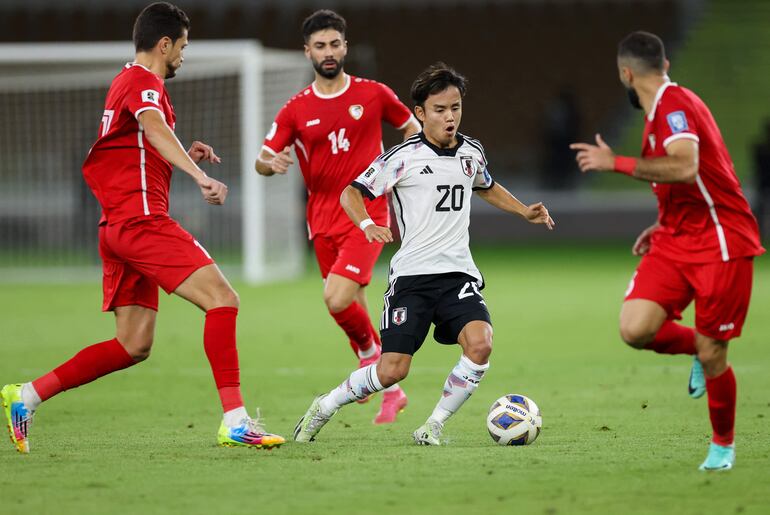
<point>226,94</point>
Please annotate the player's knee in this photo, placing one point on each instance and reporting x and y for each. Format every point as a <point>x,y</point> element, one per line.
<point>390,374</point>
<point>226,297</point>
<point>480,348</point>
<point>635,335</point>
<point>336,303</point>
<point>138,347</point>
<point>713,358</point>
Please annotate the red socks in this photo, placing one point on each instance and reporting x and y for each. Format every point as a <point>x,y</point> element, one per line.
<point>721,392</point>
<point>87,365</point>
<point>673,338</point>
<point>354,320</point>
<point>219,344</point>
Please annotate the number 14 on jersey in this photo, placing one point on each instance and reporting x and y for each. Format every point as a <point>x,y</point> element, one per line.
<point>339,141</point>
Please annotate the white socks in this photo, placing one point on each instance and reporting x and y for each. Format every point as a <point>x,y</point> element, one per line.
<point>234,417</point>
<point>459,386</point>
<point>361,383</point>
<point>29,396</point>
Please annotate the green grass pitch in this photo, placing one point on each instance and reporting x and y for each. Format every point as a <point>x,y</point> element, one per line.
<point>620,433</point>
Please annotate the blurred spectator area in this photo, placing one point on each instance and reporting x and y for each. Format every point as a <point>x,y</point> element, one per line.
<point>523,58</point>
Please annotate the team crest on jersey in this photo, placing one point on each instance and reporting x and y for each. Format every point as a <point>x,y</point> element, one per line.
<point>677,121</point>
<point>399,316</point>
<point>356,111</point>
<point>468,165</point>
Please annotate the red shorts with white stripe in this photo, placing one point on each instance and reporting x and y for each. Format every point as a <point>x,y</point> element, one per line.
<point>721,291</point>
<point>140,254</point>
<point>348,255</point>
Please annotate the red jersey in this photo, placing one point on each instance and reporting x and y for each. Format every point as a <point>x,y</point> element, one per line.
<point>335,138</point>
<point>126,174</point>
<point>709,220</point>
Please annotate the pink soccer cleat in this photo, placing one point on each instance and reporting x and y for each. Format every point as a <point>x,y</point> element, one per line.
<point>393,403</point>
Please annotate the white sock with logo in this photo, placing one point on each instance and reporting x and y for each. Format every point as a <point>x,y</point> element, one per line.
<point>460,385</point>
<point>235,417</point>
<point>361,384</point>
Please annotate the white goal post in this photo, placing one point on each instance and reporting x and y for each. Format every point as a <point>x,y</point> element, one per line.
<point>226,94</point>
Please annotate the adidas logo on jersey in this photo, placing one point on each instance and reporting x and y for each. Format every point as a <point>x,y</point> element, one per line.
<point>426,170</point>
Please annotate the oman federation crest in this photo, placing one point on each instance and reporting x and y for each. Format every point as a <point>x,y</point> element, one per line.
<point>356,111</point>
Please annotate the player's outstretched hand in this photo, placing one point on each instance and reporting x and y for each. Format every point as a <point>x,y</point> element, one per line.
<point>281,162</point>
<point>199,151</point>
<point>597,158</point>
<point>642,244</point>
<point>378,234</point>
<point>538,214</point>
<point>214,192</point>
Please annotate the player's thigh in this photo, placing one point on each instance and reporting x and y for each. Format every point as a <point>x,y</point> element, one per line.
<point>408,309</point>
<point>661,283</point>
<point>135,329</point>
<point>460,303</point>
<point>356,257</point>
<point>722,296</point>
<point>208,288</point>
<point>123,285</point>
<point>340,292</point>
<point>158,248</point>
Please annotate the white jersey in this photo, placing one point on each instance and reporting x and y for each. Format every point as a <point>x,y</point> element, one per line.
<point>432,190</point>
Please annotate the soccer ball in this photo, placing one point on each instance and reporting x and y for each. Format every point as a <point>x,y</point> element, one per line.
<point>514,420</point>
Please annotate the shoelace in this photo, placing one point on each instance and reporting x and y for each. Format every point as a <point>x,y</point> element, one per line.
<point>255,424</point>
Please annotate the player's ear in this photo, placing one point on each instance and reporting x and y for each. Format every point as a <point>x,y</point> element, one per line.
<point>666,66</point>
<point>419,112</point>
<point>165,44</point>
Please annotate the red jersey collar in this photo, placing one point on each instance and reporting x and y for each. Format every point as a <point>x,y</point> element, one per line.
<point>658,96</point>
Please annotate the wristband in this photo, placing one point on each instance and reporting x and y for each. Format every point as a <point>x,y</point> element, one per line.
<point>625,165</point>
<point>365,223</point>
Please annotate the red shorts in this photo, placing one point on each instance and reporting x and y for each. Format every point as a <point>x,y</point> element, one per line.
<point>348,255</point>
<point>721,291</point>
<point>140,254</point>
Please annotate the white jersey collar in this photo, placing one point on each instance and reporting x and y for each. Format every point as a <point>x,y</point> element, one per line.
<point>658,96</point>
<point>332,95</point>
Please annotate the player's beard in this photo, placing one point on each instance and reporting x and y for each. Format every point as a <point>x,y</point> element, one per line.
<point>329,74</point>
<point>170,71</point>
<point>633,97</point>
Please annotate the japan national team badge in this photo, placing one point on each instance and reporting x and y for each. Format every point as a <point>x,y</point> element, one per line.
<point>468,166</point>
<point>399,316</point>
<point>356,111</point>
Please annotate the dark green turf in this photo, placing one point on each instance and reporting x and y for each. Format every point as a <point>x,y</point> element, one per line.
<point>620,433</point>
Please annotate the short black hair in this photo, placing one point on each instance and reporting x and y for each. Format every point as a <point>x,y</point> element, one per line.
<point>436,78</point>
<point>157,21</point>
<point>645,47</point>
<point>321,20</point>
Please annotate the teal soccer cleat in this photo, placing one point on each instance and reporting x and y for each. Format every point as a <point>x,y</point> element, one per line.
<point>696,387</point>
<point>720,457</point>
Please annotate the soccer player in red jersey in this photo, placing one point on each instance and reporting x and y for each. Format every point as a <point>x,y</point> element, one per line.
<point>129,171</point>
<point>703,244</point>
<point>335,126</point>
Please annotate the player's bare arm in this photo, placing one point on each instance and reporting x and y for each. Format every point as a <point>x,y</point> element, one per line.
<point>200,151</point>
<point>680,165</point>
<point>352,202</point>
<point>160,135</point>
<point>502,199</point>
<point>270,164</point>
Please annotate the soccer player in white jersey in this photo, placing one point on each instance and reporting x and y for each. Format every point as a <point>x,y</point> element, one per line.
<point>433,279</point>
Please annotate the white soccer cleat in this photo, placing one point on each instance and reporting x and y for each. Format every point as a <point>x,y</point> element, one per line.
<point>429,433</point>
<point>311,422</point>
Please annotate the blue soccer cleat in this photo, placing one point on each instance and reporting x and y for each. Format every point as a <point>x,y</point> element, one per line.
<point>696,387</point>
<point>720,457</point>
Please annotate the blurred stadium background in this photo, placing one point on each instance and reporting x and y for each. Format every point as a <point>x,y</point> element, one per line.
<point>542,75</point>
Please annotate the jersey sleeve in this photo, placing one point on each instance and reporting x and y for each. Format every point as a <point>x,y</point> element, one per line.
<point>144,93</point>
<point>282,132</point>
<point>380,177</point>
<point>483,179</point>
<point>394,111</point>
<point>675,119</point>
